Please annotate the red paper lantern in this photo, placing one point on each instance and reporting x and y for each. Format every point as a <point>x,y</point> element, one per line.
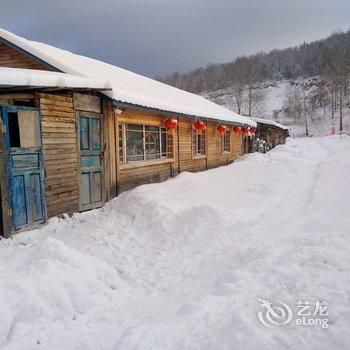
<point>237,129</point>
<point>170,123</point>
<point>221,128</point>
<point>253,130</point>
<point>245,130</point>
<point>199,125</point>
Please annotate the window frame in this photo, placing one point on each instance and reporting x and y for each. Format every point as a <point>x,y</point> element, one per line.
<point>160,158</point>
<point>194,143</point>
<point>226,136</point>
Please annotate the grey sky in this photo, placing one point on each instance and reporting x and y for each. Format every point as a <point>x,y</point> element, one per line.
<point>156,37</point>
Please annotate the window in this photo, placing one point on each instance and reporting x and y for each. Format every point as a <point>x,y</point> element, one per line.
<point>225,139</point>
<point>198,142</point>
<point>24,129</point>
<point>144,142</point>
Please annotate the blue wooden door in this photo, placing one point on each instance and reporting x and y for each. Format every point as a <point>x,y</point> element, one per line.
<point>90,155</point>
<point>24,163</point>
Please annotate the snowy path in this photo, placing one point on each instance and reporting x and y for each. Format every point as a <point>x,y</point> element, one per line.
<point>182,264</point>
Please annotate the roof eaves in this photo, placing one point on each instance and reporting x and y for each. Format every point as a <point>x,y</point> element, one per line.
<point>117,104</point>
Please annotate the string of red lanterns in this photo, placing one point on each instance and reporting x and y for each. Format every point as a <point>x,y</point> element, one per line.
<point>171,123</point>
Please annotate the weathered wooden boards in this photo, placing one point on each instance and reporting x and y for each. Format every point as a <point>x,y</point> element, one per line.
<point>60,152</point>
<point>87,103</point>
<point>5,227</point>
<point>12,58</point>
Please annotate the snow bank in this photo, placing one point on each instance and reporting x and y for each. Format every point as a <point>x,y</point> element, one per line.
<point>38,78</point>
<point>127,86</point>
<point>181,264</point>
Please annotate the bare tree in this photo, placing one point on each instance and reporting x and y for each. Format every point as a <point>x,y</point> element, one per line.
<point>255,100</point>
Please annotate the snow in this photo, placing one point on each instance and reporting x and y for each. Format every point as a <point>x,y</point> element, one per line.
<point>320,122</point>
<point>270,122</point>
<point>128,87</point>
<point>181,264</point>
<point>39,78</point>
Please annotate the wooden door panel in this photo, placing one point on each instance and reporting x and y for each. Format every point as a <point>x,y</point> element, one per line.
<point>84,133</point>
<point>95,134</point>
<point>36,209</point>
<point>85,189</point>
<point>96,189</point>
<point>25,169</point>
<point>19,211</point>
<point>90,161</point>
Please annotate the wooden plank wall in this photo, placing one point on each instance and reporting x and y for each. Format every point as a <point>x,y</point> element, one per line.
<point>130,177</point>
<point>214,156</point>
<point>60,153</point>
<point>187,162</point>
<point>10,57</point>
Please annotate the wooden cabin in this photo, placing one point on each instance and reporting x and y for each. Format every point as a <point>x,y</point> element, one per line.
<point>268,135</point>
<point>76,132</point>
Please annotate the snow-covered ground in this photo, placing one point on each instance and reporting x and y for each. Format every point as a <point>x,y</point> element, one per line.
<point>182,264</point>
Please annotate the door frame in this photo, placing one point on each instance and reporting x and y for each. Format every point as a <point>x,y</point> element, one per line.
<point>5,110</point>
<point>100,116</point>
<point>4,198</point>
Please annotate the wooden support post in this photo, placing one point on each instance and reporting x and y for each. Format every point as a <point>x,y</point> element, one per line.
<point>5,212</point>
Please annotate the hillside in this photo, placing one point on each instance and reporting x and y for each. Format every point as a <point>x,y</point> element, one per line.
<point>275,106</point>
<point>307,82</point>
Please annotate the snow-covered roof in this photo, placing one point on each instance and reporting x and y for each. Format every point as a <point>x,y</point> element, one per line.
<point>269,122</point>
<point>39,78</point>
<point>127,87</point>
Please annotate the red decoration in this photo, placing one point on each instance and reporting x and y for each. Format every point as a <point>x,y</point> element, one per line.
<point>170,123</point>
<point>199,125</point>
<point>245,130</point>
<point>253,130</point>
<point>237,129</point>
<point>221,128</point>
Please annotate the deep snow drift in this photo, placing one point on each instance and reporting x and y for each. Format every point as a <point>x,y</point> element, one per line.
<point>181,265</point>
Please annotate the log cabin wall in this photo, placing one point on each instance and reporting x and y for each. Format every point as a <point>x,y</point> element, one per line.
<point>131,175</point>
<point>137,173</point>
<point>187,161</point>
<point>216,157</point>
<point>12,58</point>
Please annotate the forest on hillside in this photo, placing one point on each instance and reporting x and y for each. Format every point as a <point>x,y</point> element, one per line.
<point>319,73</point>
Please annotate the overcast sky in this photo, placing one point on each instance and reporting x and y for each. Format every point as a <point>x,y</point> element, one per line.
<point>156,37</point>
